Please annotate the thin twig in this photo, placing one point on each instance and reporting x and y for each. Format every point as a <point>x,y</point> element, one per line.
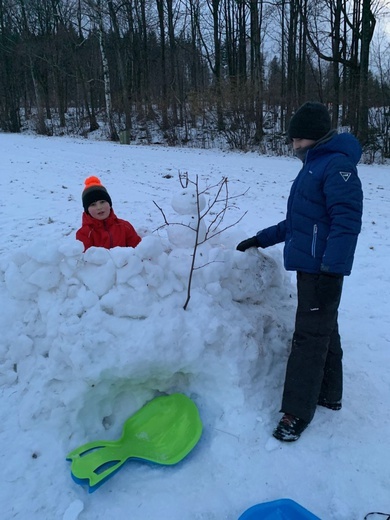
<point>224,229</point>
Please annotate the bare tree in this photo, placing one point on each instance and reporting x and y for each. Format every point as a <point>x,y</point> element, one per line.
<point>9,87</point>
<point>257,65</point>
<point>97,17</point>
<point>29,19</point>
<point>214,57</point>
<point>164,105</point>
<point>120,60</point>
<point>368,23</point>
<point>350,47</point>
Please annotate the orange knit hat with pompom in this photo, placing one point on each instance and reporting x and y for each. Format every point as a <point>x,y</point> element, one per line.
<point>94,191</point>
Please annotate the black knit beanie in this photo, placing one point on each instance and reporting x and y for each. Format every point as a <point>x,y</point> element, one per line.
<point>310,121</point>
<point>94,191</point>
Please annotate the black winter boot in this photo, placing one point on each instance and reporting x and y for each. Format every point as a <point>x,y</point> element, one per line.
<point>335,405</point>
<point>289,428</point>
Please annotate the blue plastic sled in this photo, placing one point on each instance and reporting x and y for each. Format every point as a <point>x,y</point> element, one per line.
<point>283,509</point>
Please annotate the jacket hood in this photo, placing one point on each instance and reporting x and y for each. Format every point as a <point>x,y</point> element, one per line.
<point>344,143</point>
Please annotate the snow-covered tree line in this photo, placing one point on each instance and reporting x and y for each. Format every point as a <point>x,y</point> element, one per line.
<point>193,69</point>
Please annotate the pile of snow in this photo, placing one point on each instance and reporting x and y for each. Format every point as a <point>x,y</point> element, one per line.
<point>105,330</point>
<point>102,332</point>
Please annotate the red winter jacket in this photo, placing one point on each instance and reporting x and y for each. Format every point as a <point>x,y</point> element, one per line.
<point>108,233</point>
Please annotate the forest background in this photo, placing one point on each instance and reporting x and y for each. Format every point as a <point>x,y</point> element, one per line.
<point>202,73</point>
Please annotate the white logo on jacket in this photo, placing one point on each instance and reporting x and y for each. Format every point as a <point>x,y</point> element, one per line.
<point>345,175</point>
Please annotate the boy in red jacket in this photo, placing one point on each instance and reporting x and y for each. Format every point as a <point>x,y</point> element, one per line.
<point>100,226</point>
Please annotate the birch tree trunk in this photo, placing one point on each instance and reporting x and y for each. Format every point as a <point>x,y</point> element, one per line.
<point>368,26</point>
<point>107,86</point>
<point>97,16</point>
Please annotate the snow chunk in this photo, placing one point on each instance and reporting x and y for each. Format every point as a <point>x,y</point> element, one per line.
<point>46,277</point>
<point>97,255</point>
<point>150,248</point>
<point>98,278</point>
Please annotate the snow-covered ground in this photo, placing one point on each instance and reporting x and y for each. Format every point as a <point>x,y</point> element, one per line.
<point>88,339</point>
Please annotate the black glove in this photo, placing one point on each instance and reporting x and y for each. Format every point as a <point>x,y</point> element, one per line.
<point>246,244</point>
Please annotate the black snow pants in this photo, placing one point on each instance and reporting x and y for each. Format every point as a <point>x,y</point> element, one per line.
<point>314,368</point>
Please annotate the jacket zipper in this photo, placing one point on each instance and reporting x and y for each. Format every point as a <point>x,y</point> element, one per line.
<point>314,241</point>
<point>109,234</point>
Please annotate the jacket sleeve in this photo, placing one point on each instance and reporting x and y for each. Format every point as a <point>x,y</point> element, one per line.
<point>84,235</point>
<point>344,202</point>
<point>272,235</point>
<point>132,237</point>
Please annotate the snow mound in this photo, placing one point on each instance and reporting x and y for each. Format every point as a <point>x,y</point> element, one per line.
<point>101,332</point>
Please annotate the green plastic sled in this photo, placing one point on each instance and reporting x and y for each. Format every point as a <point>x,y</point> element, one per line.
<point>163,431</point>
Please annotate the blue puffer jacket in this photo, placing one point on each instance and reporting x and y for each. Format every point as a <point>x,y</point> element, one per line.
<point>324,210</point>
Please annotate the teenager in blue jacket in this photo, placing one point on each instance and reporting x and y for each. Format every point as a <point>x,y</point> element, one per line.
<point>320,231</point>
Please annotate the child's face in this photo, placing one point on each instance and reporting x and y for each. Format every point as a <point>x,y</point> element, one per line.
<point>99,209</point>
<point>301,143</point>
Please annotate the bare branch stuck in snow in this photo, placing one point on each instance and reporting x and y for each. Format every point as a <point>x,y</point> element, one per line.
<point>214,228</point>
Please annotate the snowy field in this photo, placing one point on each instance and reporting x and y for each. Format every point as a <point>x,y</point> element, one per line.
<point>88,339</point>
